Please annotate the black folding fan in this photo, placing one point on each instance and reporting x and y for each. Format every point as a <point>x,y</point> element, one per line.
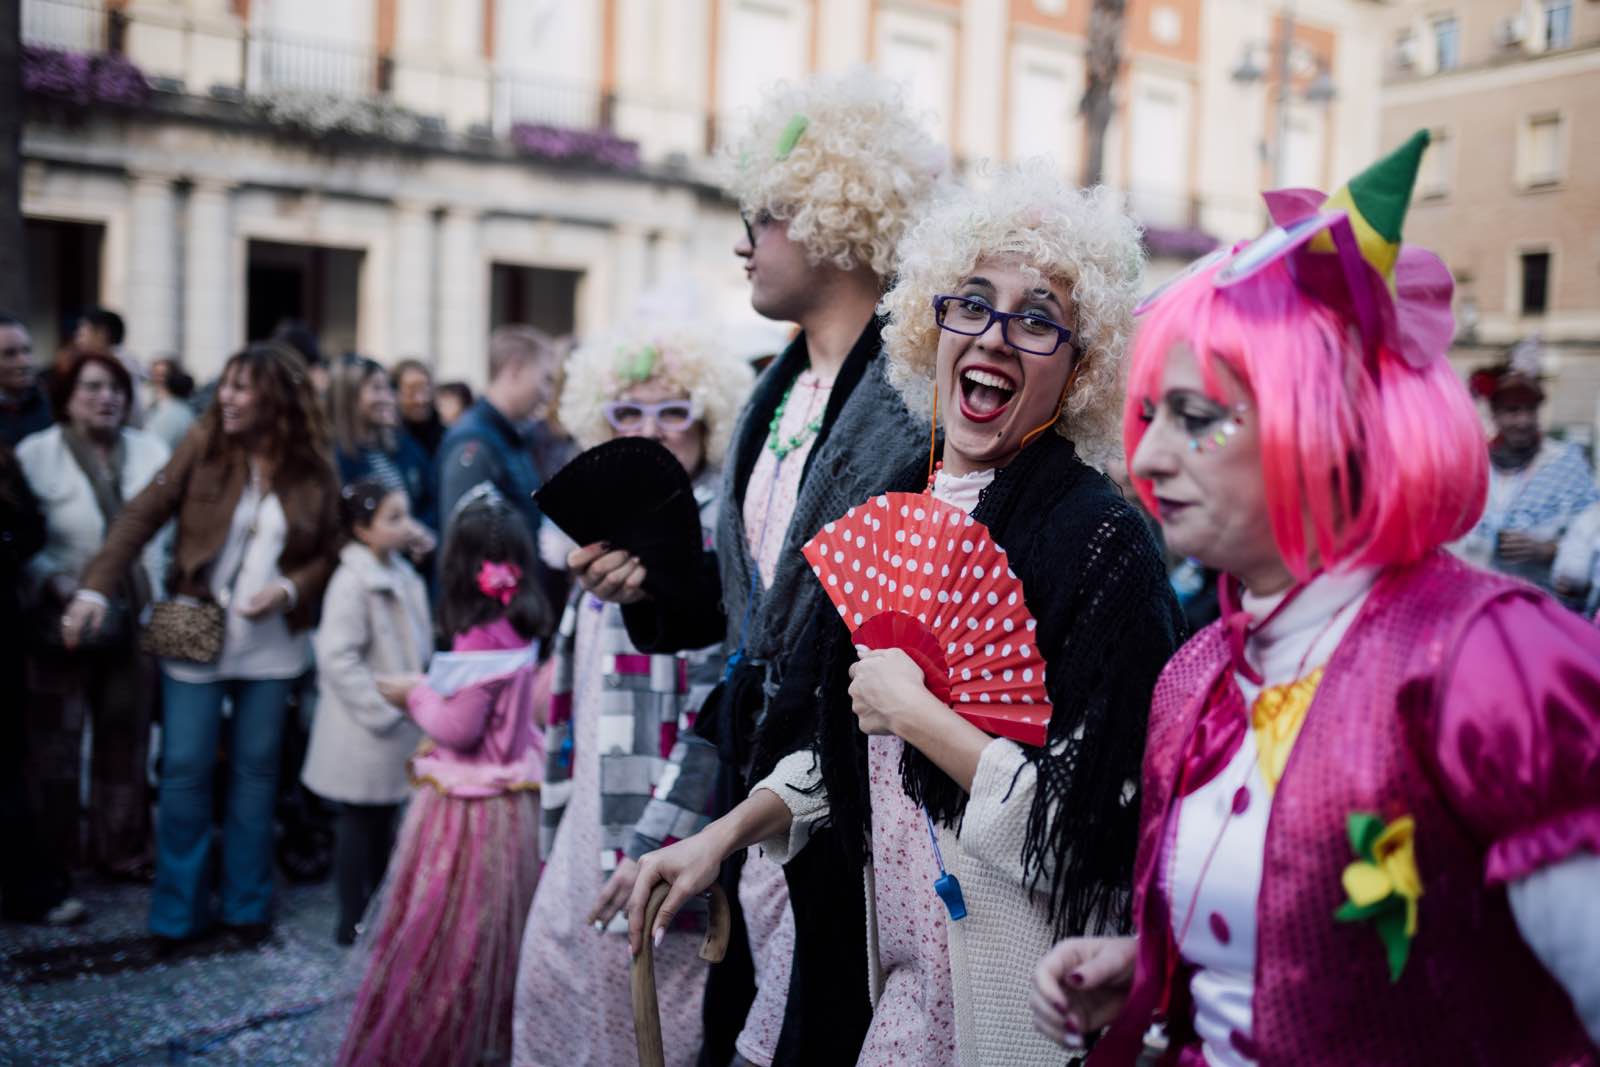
<point>634,495</point>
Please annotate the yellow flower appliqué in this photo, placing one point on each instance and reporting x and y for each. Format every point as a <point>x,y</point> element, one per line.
<point>1383,884</point>
<point>1277,716</point>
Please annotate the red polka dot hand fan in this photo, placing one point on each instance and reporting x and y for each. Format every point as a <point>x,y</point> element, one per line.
<point>910,572</point>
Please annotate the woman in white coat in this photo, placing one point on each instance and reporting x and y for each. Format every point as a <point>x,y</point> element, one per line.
<point>82,470</point>
<point>375,626</point>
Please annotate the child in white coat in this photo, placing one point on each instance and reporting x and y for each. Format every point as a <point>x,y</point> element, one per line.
<point>375,627</point>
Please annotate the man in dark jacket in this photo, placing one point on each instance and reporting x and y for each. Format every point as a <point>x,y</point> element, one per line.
<point>486,444</point>
<point>830,175</point>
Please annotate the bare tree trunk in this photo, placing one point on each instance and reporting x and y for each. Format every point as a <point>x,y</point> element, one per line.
<point>1104,64</point>
<point>13,257</point>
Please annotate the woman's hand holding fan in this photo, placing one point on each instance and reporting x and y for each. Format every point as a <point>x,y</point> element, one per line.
<point>911,572</point>
<point>887,688</point>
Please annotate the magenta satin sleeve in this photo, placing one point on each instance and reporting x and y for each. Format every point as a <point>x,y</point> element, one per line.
<point>1519,735</point>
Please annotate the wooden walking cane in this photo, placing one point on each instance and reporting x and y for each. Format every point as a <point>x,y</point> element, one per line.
<point>646,1009</point>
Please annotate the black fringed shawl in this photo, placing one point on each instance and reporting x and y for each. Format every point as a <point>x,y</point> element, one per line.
<point>1108,621</point>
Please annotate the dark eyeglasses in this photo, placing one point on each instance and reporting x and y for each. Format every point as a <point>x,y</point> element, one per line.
<point>971,317</point>
<point>754,224</point>
<point>625,416</point>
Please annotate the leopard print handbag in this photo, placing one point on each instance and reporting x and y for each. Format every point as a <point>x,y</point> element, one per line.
<point>185,629</point>
<point>192,630</point>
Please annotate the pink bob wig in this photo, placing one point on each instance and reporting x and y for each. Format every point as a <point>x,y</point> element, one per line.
<point>1366,462</point>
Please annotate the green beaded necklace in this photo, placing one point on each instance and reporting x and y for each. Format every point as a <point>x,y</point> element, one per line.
<point>777,445</point>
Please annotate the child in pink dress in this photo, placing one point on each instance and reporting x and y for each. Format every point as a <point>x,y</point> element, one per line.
<point>438,987</point>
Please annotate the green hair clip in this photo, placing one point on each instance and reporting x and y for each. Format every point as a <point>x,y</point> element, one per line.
<point>791,136</point>
<point>642,365</point>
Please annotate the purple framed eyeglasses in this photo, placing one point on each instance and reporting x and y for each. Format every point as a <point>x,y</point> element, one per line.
<point>971,317</point>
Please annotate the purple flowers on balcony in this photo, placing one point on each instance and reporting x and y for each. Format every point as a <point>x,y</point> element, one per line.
<point>82,79</point>
<point>560,145</point>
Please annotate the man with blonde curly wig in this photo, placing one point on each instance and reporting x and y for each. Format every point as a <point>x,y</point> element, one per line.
<point>828,176</point>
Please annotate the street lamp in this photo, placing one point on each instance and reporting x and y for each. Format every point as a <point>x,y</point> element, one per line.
<point>1320,91</point>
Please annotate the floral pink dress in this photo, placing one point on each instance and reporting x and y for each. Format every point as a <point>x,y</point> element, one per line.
<point>576,977</point>
<point>915,1020</point>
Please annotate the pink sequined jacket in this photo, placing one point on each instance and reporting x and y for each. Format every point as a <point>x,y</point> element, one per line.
<point>1464,699</point>
<point>483,739</point>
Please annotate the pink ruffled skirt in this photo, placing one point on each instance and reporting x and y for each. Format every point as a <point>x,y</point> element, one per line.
<point>442,969</point>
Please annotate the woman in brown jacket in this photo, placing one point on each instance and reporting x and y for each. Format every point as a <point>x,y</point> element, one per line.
<point>256,501</point>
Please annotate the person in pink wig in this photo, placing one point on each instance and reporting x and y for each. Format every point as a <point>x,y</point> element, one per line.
<point>1371,792</point>
<point>445,931</point>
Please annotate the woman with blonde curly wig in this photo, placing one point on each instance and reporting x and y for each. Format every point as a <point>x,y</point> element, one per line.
<point>1009,318</point>
<point>624,773</point>
<point>828,176</point>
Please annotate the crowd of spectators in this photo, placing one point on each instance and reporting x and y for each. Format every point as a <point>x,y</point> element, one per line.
<point>123,486</point>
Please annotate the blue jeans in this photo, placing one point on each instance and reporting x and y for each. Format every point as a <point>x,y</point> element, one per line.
<point>192,727</point>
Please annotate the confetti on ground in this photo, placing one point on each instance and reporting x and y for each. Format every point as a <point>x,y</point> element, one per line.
<point>95,994</point>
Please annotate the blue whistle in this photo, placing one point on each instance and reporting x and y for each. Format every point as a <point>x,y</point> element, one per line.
<point>949,891</point>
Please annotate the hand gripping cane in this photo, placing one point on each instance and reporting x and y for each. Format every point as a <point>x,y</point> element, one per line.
<point>646,1009</point>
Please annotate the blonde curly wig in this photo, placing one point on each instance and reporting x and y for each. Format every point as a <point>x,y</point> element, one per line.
<point>843,160</point>
<point>1079,239</point>
<point>690,357</point>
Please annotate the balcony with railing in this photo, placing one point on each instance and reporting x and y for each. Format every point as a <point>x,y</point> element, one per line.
<point>327,86</point>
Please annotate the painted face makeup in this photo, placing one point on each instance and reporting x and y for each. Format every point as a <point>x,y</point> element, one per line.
<point>1208,425</point>
<point>1201,455</point>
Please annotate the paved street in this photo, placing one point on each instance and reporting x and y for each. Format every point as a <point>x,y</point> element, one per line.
<point>94,995</point>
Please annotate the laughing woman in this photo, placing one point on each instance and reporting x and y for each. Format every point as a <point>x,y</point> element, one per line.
<point>1010,317</point>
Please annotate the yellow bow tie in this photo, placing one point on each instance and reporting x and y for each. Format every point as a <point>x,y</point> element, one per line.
<point>1277,716</point>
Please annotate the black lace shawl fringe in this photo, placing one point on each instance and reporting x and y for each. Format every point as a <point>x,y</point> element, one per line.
<point>1095,579</point>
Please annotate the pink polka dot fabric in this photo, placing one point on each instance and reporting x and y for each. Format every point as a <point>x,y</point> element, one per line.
<point>908,571</point>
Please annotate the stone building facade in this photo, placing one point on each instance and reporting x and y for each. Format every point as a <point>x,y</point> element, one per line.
<point>405,174</point>
<point>1510,192</point>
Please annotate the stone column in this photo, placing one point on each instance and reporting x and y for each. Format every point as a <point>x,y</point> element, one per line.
<point>152,311</point>
<point>411,283</point>
<point>463,299</point>
<point>671,260</point>
<point>630,264</point>
<point>209,286</point>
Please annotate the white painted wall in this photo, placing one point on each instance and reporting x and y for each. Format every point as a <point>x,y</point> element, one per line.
<point>917,48</point>
<point>980,119</point>
<point>1160,110</point>
<point>843,40</point>
<point>1046,85</point>
<point>662,75</point>
<point>313,44</point>
<point>547,61</point>
<point>759,42</point>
